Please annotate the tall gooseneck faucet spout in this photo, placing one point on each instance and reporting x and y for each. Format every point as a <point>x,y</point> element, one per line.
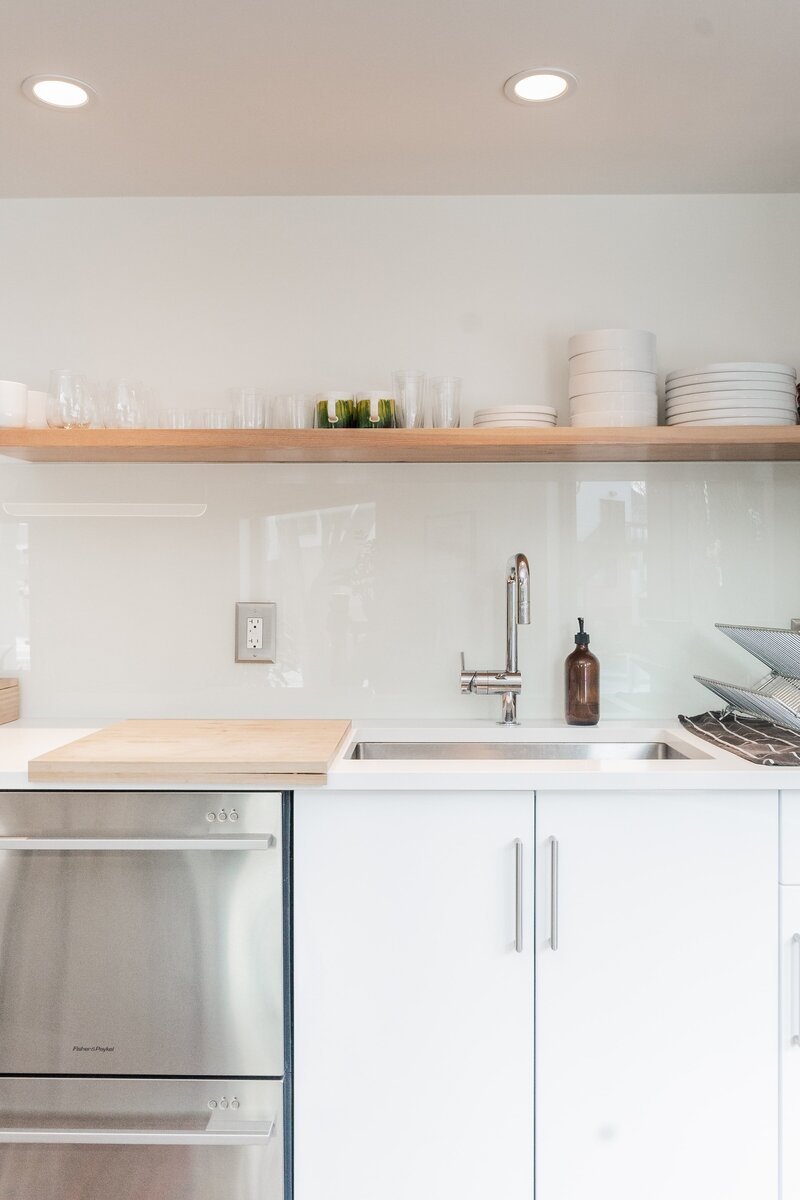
<point>508,683</point>
<point>518,567</point>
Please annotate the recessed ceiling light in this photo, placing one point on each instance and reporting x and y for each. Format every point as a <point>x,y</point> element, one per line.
<point>541,83</point>
<point>57,91</point>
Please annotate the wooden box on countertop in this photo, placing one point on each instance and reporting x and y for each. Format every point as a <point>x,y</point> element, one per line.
<point>9,700</point>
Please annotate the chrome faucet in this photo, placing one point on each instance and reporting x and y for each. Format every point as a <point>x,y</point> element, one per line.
<point>507,683</point>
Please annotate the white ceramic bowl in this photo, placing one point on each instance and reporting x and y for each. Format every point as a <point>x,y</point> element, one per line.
<point>747,416</point>
<point>612,360</point>
<point>735,368</point>
<point>36,417</point>
<point>738,400</point>
<point>733,385</point>
<point>13,403</point>
<point>610,419</point>
<point>640,341</point>
<point>713,410</point>
<point>612,381</point>
<point>642,402</point>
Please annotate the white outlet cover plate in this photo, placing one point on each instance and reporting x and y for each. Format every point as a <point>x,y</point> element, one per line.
<point>267,613</point>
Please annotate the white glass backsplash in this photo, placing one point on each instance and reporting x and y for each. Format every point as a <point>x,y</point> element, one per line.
<point>118,583</point>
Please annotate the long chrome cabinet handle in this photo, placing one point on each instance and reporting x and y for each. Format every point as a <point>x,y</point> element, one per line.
<point>795,989</point>
<point>187,843</point>
<point>553,939</point>
<point>258,1135</point>
<point>519,867</point>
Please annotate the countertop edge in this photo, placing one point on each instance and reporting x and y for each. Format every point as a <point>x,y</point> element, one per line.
<point>718,770</point>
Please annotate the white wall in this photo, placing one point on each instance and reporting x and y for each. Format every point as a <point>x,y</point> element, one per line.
<point>383,574</point>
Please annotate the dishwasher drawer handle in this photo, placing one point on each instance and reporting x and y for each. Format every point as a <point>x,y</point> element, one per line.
<point>171,843</point>
<point>255,1133</point>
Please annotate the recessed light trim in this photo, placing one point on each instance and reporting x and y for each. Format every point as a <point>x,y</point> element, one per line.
<point>540,85</point>
<point>58,91</point>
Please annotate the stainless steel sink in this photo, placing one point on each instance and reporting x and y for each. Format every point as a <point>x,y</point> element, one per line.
<point>520,750</point>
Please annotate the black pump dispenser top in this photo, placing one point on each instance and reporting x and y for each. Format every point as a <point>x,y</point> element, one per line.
<point>581,638</point>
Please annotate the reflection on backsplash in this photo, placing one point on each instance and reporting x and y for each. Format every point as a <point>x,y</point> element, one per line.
<point>318,565</point>
<point>381,575</point>
<point>14,591</point>
<point>611,533</point>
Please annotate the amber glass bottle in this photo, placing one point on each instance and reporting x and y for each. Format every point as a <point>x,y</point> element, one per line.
<point>582,682</point>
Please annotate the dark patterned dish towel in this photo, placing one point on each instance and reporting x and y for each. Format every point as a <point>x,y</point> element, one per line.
<point>752,738</point>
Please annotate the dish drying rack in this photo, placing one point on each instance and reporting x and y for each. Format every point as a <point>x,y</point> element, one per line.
<point>777,695</point>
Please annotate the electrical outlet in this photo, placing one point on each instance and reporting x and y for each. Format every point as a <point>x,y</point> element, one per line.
<point>255,632</point>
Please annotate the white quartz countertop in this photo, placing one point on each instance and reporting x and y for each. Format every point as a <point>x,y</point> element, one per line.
<point>713,768</point>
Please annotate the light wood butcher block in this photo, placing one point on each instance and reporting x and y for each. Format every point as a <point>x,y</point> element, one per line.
<point>264,753</point>
<point>9,700</point>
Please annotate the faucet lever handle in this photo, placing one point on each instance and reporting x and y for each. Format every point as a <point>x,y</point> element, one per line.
<point>467,678</point>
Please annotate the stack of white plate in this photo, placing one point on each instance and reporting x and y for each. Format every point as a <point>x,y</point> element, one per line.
<point>515,416</point>
<point>612,377</point>
<point>738,393</point>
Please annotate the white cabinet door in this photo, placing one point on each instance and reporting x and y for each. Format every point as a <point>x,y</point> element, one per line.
<point>413,1010</point>
<point>790,1043</point>
<point>656,1063</point>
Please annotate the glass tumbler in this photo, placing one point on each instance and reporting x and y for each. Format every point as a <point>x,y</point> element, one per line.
<point>446,402</point>
<point>249,408</point>
<point>409,391</point>
<point>123,406</point>
<point>218,418</point>
<point>295,411</point>
<point>70,404</point>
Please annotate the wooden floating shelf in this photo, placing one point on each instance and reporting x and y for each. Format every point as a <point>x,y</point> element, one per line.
<point>752,443</point>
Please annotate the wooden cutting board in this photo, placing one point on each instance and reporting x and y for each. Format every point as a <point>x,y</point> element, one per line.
<point>272,753</point>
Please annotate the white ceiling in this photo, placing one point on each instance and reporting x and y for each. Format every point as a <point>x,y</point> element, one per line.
<point>248,97</point>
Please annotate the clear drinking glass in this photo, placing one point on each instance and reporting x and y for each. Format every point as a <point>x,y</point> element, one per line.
<point>295,411</point>
<point>409,392</point>
<point>174,418</point>
<point>123,405</point>
<point>218,418</point>
<point>249,408</point>
<point>446,402</point>
<point>70,404</point>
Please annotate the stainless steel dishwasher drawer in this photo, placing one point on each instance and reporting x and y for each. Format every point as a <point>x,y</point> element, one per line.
<point>141,1139</point>
<point>141,934</point>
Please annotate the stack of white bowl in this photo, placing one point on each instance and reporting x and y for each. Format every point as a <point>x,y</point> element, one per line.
<point>515,416</point>
<point>733,393</point>
<point>612,377</point>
